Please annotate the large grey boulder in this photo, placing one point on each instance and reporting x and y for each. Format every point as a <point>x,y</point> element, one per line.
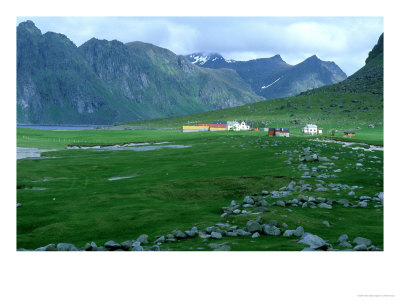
<point>362,241</point>
<point>66,247</point>
<point>271,230</point>
<point>111,245</point>
<point>253,226</point>
<point>313,241</point>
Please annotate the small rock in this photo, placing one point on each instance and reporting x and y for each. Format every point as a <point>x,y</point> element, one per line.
<point>363,204</point>
<point>280,203</point>
<point>223,248</point>
<point>345,244</point>
<point>127,245</point>
<point>360,240</point>
<point>111,245</point>
<point>313,241</point>
<point>216,235</point>
<point>253,226</point>
<point>271,230</point>
<point>155,248</point>
<point>343,238</point>
<point>255,235</point>
<point>66,247</point>
<point>360,247</point>
<point>143,239</point>
<point>49,247</point>
<point>248,200</point>
<point>326,223</point>
<point>324,205</point>
<point>137,247</point>
<point>19,204</point>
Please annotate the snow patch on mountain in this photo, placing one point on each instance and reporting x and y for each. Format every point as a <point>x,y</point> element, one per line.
<point>267,86</point>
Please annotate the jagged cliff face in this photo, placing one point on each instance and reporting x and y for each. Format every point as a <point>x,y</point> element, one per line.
<point>104,82</point>
<point>274,78</point>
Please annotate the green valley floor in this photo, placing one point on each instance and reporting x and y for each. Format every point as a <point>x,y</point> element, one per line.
<point>167,190</point>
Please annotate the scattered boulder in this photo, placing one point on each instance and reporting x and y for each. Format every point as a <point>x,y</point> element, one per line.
<point>111,245</point>
<point>271,230</point>
<point>216,235</point>
<point>248,200</point>
<point>66,247</point>
<point>253,226</point>
<point>223,248</point>
<point>343,238</point>
<point>326,223</point>
<point>325,205</point>
<point>255,235</point>
<point>280,203</point>
<point>126,245</point>
<point>314,241</point>
<point>360,247</point>
<point>143,239</point>
<point>19,205</point>
<point>137,247</point>
<point>49,247</point>
<point>362,241</point>
<point>161,239</point>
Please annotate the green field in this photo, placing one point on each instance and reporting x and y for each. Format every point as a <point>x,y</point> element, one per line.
<point>180,188</point>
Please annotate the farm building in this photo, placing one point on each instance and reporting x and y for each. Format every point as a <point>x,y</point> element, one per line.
<point>195,128</point>
<point>232,125</point>
<point>279,132</point>
<point>311,129</point>
<point>214,127</point>
<point>350,133</point>
<point>243,125</point>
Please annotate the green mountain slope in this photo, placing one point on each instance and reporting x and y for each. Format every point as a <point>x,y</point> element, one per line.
<point>357,99</point>
<point>103,82</point>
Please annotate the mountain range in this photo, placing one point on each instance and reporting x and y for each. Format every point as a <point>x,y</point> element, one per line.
<point>273,77</point>
<point>103,82</point>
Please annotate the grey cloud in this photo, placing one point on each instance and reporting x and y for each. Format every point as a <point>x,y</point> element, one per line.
<point>345,40</point>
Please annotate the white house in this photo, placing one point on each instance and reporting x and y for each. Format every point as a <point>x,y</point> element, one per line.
<point>237,126</point>
<point>311,129</point>
<point>244,126</point>
<point>232,125</point>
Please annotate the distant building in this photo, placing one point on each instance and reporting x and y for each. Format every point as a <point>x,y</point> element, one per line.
<point>232,125</point>
<point>221,122</point>
<point>243,125</point>
<point>311,129</point>
<point>284,131</point>
<point>350,133</point>
<point>195,128</point>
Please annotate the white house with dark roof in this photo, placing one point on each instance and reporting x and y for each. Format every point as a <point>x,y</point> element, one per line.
<point>311,129</point>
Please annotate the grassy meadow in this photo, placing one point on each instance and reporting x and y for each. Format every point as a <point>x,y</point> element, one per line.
<point>179,188</point>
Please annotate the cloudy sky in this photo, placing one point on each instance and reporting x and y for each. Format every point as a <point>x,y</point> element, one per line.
<point>344,40</point>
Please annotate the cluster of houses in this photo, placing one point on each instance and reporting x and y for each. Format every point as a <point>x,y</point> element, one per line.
<point>219,126</point>
<point>311,129</point>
